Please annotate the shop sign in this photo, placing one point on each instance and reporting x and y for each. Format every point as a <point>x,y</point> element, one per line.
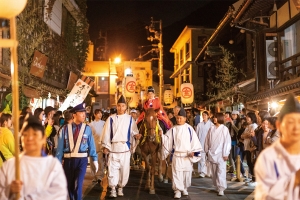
<point>30,92</point>
<point>72,80</point>
<point>38,65</point>
<point>78,93</point>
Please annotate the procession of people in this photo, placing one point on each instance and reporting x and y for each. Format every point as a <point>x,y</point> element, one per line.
<point>208,144</point>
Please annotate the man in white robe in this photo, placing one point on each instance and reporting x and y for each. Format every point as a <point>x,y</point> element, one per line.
<point>118,139</point>
<point>183,139</point>
<point>217,146</point>
<point>277,169</point>
<point>202,130</point>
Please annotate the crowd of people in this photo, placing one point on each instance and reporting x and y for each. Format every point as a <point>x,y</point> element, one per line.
<point>51,139</point>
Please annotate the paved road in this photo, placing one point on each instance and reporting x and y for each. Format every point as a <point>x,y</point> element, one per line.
<point>201,189</point>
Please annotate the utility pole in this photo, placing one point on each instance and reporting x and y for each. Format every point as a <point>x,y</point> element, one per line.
<point>158,37</point>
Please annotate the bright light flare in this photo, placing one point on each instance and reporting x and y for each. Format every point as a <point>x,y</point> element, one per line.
<point>274,105</point>
<point>117,60</point>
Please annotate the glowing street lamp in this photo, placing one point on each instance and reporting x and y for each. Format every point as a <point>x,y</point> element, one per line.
<point>117,60</point>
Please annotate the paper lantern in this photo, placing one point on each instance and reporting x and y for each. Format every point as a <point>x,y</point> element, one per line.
<point>130,84</point>
<point>11,8</point>
<point>187,93</point>
<point>133,103</point>
<point>168,97</point>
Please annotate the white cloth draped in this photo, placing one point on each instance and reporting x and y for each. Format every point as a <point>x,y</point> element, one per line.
<point>202,130</point>
<point>119,163</point>
<point>42,177</point>
<point>184,140</point>
<point>275,171</point>
<point>217,145</point>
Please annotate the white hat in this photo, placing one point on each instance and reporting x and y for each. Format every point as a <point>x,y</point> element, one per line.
<point>235,112</point>
<point>133,111</point>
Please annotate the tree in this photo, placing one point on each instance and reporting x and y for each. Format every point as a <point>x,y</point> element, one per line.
<point>226,77</point>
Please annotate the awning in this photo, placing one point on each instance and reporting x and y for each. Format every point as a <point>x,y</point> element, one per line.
<point>177,72</point>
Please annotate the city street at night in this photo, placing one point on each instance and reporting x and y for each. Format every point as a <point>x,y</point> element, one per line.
<point>201,189</point>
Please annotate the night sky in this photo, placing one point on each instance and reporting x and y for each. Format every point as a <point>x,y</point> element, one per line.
<point>125,21</point>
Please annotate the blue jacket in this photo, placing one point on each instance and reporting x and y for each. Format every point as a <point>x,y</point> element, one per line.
<point>87,142</point>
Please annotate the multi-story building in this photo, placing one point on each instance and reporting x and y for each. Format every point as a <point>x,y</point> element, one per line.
<point>268,31</point>
<point>185,49</point>
<point>53,43</point>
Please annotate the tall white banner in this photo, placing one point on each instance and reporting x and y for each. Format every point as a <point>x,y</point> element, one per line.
<point>77,94</point>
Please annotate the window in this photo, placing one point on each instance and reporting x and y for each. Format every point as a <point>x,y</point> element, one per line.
<point>201,41</point>
<point>181,57</point>
<point>187,50</point>
<point>290,43</point>
<point>68,27</point>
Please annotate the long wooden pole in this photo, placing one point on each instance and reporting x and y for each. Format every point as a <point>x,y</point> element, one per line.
<point>15,97</point>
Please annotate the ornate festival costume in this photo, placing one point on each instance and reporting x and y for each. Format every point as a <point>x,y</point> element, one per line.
<point>161,114</point>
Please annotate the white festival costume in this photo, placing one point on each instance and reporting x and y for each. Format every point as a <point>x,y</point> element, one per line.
<point>202,130</point>
<point>184,140</point>
<point>218,145</point>
<point>116,141</point>
<point>97,128</point>
<point>275,171</point>
<point>42,177</point>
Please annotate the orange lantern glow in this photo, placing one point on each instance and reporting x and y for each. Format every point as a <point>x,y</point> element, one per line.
<point>187,93</point>
<point>133,103</point>
<point>168,97</point>
<point>130,84</point>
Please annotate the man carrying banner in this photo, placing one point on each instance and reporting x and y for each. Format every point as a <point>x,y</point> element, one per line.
<point>118,139</point>
<point>75,144</point>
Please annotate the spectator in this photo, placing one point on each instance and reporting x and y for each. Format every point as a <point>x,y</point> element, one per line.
<point>7,141</point>
<point>133,114</point>
<point>274,133</point>
<point>39,114</point>
<point>248,144</point>
<point>197,117</point>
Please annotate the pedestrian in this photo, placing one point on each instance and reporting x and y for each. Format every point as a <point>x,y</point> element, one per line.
<point>183,141</point>
<point>197,117</point>
<point>97,126</point>
<point>75,144</point>
<point>274,133</point>
<point>249,148</point>
<point>118,139</point>
<point>277,168</point>
<point>50,130</point>
<point>217,146</point>
<point>234,126</point>
<point>204,168</point>
<point>41,176</point>
<point>133,114</point>
<point>7,141</point>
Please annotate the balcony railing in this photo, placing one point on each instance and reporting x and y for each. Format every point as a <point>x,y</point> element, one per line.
<point>289,68</point>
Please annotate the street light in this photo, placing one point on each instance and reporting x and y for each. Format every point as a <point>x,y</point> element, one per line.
<point>117,60</point>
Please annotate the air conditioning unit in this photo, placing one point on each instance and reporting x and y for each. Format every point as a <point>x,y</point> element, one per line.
<point>272,70</point>
<point>271,59</point>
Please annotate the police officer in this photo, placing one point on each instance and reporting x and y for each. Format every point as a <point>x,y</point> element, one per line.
<point>75,144</point>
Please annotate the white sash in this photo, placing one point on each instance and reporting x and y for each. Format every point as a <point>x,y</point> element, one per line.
<point>71,140</point>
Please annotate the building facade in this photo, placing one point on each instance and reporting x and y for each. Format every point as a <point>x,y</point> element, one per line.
<point>185,50</point>
<point>53,43</point>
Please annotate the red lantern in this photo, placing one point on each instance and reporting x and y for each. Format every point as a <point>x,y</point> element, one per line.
<point>130,84</point>
<point>187,93</point>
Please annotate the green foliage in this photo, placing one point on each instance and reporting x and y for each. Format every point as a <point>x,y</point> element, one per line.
<point>64,54</point>
<point>226,77</point>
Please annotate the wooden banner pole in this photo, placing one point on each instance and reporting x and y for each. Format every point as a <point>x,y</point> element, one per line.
<point>15,97</point>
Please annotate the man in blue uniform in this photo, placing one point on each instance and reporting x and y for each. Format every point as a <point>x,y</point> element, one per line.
<point>75,144</point>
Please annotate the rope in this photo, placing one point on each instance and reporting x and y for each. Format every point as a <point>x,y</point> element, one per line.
<point>174,152</point>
